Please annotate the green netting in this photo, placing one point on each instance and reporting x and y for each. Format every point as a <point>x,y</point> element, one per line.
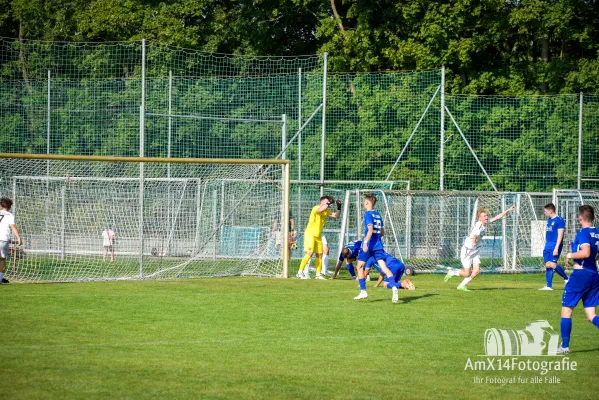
<point>85,98</point>
<point>590,143</point>
<point>524,143</point>
<point>370,117</point>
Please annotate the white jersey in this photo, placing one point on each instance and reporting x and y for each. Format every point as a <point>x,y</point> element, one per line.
<point>6,220</point>
<point>478,230</point>
<point>108,237</point>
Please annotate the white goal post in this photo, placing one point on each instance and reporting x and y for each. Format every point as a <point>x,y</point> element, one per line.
<point>170,217</point>
<point>426,229</point>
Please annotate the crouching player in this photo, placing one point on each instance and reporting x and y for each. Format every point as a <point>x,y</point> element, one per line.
<point>396,267</point>
<point>583,283</point>
<point>349,254</point>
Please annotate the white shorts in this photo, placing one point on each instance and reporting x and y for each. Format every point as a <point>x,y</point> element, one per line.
<point>469,257</point>
<point>3,249</point>
<point>324,241</point>
<point>279,238</point>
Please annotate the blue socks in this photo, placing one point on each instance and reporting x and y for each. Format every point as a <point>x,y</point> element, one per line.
<point>560,271</point>
<point>596,321</point>
<point>352,270</point>
<point>549,277</point>
<point>362,283</point>
<point>566,328</point>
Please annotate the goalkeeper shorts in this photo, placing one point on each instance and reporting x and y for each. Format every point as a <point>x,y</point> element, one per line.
<point>312,244</point>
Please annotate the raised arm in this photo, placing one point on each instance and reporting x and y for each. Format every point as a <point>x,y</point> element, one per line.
<point>503,214</point>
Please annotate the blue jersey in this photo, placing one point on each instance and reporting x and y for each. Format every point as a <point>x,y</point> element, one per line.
<point>373,218</point>
<point>354,247</point>
<point>587,236</point>
<point>551,232</point>
<point>396,267</point>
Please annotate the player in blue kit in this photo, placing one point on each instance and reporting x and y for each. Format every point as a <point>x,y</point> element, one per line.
<point>584,281</point>
<point>554,240</point>
<point>349,254</point>
<point>372,246</point>
<point>396,267</point>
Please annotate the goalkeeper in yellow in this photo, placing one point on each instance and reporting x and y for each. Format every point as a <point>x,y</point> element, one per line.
<point>313,234</point>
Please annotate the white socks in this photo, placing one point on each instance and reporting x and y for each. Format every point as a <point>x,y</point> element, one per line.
<point>455,272</point>
<point>465,282</point>
<point>325,263</point>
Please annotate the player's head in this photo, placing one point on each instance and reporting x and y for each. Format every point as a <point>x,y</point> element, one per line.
<point>586,214</point>
<point>328,200</point>
<point>549,210</point>
<point>482,215</point>
<point>6,203</point>
<point>369,201</point>
<point>346,253</point>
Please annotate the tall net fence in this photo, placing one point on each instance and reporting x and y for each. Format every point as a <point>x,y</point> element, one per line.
<point>109,98</point>
<point>93,220</point>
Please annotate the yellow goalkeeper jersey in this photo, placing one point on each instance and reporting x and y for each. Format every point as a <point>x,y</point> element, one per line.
<point>316,222</point>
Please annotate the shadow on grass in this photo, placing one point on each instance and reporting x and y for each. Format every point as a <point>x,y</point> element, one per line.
<point>586,351</point>
<point>405,300</point>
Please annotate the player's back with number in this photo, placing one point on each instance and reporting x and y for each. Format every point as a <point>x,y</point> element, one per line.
<point>372,217</point>
<point>6,220</point>
<point>590,236</point>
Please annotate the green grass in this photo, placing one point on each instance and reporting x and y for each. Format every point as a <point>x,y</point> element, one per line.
<point>271,338</point>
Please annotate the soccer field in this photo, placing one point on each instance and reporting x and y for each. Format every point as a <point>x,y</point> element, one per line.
<point>272,338</point>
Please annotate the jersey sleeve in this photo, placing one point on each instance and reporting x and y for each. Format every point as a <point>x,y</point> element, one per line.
<point>583,237</point>
<point>368,220</point>
<point>477,229</point>
<point>10,219</point>
<point>560,224</point>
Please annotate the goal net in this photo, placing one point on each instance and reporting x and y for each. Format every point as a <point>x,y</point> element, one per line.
<point>93,219</point>
<point>567,202</point>
<point>426,229</point>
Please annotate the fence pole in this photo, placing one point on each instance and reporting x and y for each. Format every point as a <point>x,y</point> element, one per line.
<point>299,146</point>
<point>142,110</point>
<point>284,135</point>
<point>581,101</point>
<point>442,149</point>
<point>324,126</point>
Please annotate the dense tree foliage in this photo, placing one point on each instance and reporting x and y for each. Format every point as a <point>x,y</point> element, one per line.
<point>489,46</point>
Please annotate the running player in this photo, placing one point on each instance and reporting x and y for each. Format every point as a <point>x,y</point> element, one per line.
<point>584,280</point>
<point>469,254</point>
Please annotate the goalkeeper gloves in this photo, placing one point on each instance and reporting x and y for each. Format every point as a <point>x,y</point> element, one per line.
<point>338,203</point>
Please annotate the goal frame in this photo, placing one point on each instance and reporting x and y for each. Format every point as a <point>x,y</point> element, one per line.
<point>285,164</point>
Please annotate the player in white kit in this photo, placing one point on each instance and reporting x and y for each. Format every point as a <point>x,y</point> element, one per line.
<point>7,224</point>
<point>469,255</point>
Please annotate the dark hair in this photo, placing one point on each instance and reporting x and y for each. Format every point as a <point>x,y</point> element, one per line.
<point>370,197</point>
<point>329,198</point>
<point>587,213</point>
<point>5,202</point>
<point>346,253</point>
<point>550,207</point>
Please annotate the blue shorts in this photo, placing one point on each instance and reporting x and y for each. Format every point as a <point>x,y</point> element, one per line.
<point>549,257</point>
<point>397,268</point>
<point>582,285</point>
<point>377,254</point>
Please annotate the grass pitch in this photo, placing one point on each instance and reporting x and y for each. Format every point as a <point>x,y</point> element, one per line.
<point>271,338</point>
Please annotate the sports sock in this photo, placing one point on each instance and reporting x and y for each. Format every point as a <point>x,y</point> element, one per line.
<point>325,262</point>
<point>566,328</point>
<point>304,262</point>
<point>352,271</point>
<point>596,321</point>
<point>1,275</point>
<point>465,281</point>
<point>318,265</point>
<point>362,283</point>
<point>549,276</point>
<point>560,271</point>
<point>455,272</point>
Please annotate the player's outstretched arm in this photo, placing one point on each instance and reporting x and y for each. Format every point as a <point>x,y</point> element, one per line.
<point>379,281</point>
<point>337,268</point>
<point>503,214</point>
